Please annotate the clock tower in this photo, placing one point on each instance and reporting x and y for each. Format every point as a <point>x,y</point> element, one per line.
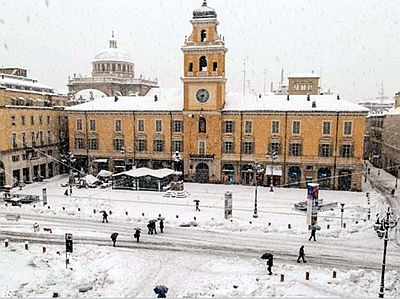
<point>204,95</point>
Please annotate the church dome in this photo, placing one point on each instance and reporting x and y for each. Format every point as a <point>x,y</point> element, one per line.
<point>113,54</point>
<point>204,12</point>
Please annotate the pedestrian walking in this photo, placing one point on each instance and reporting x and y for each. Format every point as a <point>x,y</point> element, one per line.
<point>137,234</point>
<point>301,255</point>
<point>197,204</point>
<point>153,226</point>
<point>66,192</point>
<point>369,170</point>
<point>150,229</point>
<point>270,263</point>
<point>392,192</point>
<point>105,215</point>
<point>313,231</point>
<point>70,190</point>
<point>161,226</point>
<point>114,238</point>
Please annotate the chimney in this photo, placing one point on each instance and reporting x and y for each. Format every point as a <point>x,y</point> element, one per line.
<point>313,105</point>
<point>115,99</point>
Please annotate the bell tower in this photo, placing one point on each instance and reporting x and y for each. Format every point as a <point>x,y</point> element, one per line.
<point>204,96</point>
<point>204,63</point>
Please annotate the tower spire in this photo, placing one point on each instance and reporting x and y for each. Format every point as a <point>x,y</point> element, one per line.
<point>113,42</point>
<point>204,3</point>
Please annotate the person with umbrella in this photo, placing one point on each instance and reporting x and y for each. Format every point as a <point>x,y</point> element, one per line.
<point>197,204</point>
<point>137,234</point>
<point>301,255</point>
<point>161,291</point>
<point>114,238</point>
<point>105,215</point>
<point>269,257</point>
<point>314,229</point>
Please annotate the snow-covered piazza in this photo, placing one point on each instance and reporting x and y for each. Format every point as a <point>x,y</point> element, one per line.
<point>212,257</point>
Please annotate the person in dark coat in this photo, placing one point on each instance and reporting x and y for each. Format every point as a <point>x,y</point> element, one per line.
<point>153,226</point>
<point>301,255</point>
<point>70,190</point>
<point>392,192</point>
<point>150,227</point>
<point>161,226</point>
<point>137,235</point>
<point>66,192</point>
<point>114,238</point>
<point>197,205</point>
<point>270,263</point>
<point>105,215</point>
<point>369,170</point>
<point>313,231</point>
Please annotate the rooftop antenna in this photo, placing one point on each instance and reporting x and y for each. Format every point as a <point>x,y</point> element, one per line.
<point>244,76</point>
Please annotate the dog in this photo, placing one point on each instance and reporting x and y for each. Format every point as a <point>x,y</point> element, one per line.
<point>47,229</point>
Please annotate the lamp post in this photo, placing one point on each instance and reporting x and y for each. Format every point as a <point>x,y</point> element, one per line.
<point>341,215</point>
<point>123,151</point>
<point>274,155</point>
<point>382,227</point>
<point>257,169</point>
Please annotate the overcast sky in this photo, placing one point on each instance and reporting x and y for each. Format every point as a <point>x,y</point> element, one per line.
<point>354,45</point>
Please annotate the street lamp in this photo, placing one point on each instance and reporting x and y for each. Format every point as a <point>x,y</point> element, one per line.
<point>341,215</point>
<point>382,227</point>
<point>123,151</point>
<point>274,156</point>
<point>256,172</point>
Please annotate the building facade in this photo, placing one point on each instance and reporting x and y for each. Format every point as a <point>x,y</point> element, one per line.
<point>297,138</point>
<point>113,73</point>
<point>33,128</point>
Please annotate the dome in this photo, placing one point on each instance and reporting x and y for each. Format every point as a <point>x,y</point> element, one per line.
<point>112,54</point>
<point>204,12</point>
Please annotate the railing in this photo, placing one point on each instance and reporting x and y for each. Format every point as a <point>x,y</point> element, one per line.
<point>113,80</point>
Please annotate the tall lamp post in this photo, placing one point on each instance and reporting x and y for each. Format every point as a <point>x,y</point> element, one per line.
<point>274,156</point>
<point>257,170</point>
<point>123,151</point>
<point>341,214</point>
<point>382,227</point>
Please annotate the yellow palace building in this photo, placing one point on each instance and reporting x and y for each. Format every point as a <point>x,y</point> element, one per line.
<point>297,137</point>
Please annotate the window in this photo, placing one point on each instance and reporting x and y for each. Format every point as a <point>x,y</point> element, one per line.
<point>141,145</point>
<point>203,64</point>
<point>118,144</point>
<point>202,125</point>
<point>15,158</point>
<point>326,128</point>
<point>347,127</point>
<point>23,139</point>
<point>118,125</point>
<point>228,147</point>
<point>346,151</point>
<point>177,146</point>
<point>40,120</point>
<point>178,127</point>
<point>141,125</point>
<point>215,66</point>
<point>48,137</point>
<point>325,150</point>
<point>33,139</point>
<point>79,125</point>
<point>303,86</point>
<point>248,129</point>
<point>295,149</point>
<point>247,147</point>
<point>274,147</point>
<point>310,86</point>
<point>202,147</point>
<point>228,126</point>
<point>13,122</point>
<point>41,140</point>
<point>79,143</point>
<point>296,127</point>
<point>158,126</point>
<point>275,127</point>
<point>23,122</point>
<point>92,125</point>
<point>14,140</point>
<point>93,144</point>
<point>296,86</point>
<point>158,145</point>
<point>48,119</point>
<point>203,36</point>
<point>190,66</point>
<point>32,120</point>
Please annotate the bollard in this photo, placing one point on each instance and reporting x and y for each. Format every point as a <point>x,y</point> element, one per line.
<point>48,207</point>
<point>26,245</point>
<point>63,208</point>
<point>7,205</point>
<point>94,211</point>
<point>126,213</point>
<point>177,216</point>
<point>55,295</point>
<point>334,274</point>
<point>269,223</point>
<point>6,243</point>
<point>356,221</point>
<point>289,226</point>
<point>194,218</point>
<point>282,277</point>
<point>328,226</point>
<point>143,215</point>
<point>33,206</point>
<point>250,222</point>
<point>79,209</point>
<point>110,212</point>
<point>307,275</point>
<point>44,249</point>
<point>159,215</point>
<point>344,225</point>
<point>309,227</point>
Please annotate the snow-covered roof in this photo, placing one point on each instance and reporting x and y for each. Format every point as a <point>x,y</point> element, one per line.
<point>9,80</point>
<point>113,54</point>
<point>87,94</point>
<point>303,75</point>
<point>395,111</point>
<point>171,99</point>
<point>204,12</point>
<point>144,171</point>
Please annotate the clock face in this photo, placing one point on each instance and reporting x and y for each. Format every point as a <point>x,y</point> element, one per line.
<point>202,95</point>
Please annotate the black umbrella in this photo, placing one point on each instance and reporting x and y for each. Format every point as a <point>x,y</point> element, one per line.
<point>266,256</point>
<point>160,290</point>
<point>114,236</point>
